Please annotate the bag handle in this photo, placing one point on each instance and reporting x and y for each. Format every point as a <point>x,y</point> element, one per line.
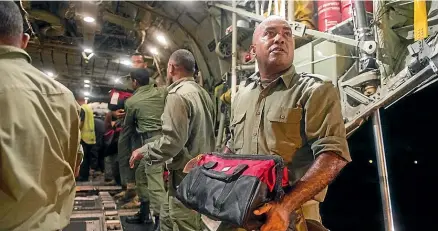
<point>223,176</point>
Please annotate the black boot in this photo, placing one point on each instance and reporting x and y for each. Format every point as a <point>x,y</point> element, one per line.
<point>143,215</point>
<point>157,223</point>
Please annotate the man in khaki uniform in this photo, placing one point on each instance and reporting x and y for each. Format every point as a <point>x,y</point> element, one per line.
<point>39,137</point>
<point>298,117</point>
<point>187,130</point>
<point>142,124</point>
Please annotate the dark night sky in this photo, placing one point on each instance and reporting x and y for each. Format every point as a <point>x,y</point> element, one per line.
<point>410,130</point>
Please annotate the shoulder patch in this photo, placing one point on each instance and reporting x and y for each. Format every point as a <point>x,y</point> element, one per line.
<point>175,89</point>
<point>321,78</point>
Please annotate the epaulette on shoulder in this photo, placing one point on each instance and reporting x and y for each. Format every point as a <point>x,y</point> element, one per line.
<point>252,79</point>
<point>173,90</point>
<point>321,78</point>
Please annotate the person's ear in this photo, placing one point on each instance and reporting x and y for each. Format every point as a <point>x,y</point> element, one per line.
<point>24,40</point>
<point>252,50</point>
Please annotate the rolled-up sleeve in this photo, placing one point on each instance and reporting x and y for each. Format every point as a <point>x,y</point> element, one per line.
<point>324,125</point>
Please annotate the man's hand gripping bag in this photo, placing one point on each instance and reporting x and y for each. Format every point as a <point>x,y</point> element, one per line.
<point>229,188</point>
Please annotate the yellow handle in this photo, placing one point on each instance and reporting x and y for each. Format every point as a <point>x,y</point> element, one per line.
<point>420,20</point>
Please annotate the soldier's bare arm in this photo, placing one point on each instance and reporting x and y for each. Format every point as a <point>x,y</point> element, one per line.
<point>323,171</point>
<point>325,131</point>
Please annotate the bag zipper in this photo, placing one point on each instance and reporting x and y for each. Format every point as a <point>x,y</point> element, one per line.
<point>279,166</point>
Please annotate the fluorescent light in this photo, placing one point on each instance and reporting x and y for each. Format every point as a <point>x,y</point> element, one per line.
<point>88,50</point>
<point>161,39</point>
<point>86,93</point>
<point>50,74</point>
<point>126,62</point>
<point>154,50</point>
<point>86,85</point>
<point>86,81</point>
<point>89,19</point>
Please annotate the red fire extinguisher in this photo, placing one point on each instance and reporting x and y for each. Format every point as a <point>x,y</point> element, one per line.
<point>329,14</point>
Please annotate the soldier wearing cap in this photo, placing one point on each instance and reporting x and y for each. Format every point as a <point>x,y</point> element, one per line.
<point>142,124</point>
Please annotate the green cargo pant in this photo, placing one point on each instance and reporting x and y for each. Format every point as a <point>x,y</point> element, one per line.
<point>150,185</point>
<point>166,222</point>
<point>127,175</point>
<point>149,178</point>
<point>185,219</point>
<point>141,182</point>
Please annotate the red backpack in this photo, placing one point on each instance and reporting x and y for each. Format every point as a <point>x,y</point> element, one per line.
<point>117,99</point>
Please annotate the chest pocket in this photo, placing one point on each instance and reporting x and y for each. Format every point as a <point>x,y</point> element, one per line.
<point>238,125</point>
<point>285,129</point>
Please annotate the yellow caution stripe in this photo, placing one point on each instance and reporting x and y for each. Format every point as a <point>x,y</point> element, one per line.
<point>420,20</point>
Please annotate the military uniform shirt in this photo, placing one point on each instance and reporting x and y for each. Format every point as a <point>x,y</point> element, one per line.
<point>187,125</point>
<point>143,112</point>
<point>295,117</point>
<point>39,141</point>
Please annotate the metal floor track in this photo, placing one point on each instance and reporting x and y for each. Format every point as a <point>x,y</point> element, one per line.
<point>95,210</point>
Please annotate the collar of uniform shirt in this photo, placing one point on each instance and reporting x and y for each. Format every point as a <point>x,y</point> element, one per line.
<point>289,77</point>
<point>144,88</point>
<point>4,50</point>
<point>174,84</point>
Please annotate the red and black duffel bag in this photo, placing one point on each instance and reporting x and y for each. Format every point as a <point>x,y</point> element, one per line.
<point>228,187</point>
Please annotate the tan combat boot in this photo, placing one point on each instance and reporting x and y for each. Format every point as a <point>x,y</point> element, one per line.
<point>133,204</point>
<point>119,195</point>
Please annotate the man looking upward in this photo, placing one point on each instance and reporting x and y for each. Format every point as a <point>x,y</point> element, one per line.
<point>295,116</point>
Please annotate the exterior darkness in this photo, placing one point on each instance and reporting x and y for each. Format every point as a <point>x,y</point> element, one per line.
<point>409,129</point>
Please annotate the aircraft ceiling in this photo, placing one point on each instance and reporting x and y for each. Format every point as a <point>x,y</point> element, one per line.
<point>61,33</point>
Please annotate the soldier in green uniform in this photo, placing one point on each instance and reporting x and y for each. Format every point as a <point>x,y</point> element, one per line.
<point>127,175</point>
<point>142,124</point>
<point>188,129</point>
<point>39,137</point>
<point>297,116</point>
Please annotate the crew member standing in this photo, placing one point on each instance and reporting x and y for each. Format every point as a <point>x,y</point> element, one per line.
<point>88,140</point>
<point>142,125</point>
<point>187,130</point>
<point>39,137</point>
<point>297,117</point>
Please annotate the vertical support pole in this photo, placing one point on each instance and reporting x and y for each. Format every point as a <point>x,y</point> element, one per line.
<point>270,7</point>
<point>216,40</point>
<point>383,174</point>
<point>283,8</point>
<point>234,54</point>
<point>220,133</point>
<point>290,10</point>
<point>161,81</point>
<point>259,12</point>
<point>363,33</point>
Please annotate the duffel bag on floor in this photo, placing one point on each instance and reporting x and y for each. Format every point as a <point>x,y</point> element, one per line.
<point>228,187</point>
